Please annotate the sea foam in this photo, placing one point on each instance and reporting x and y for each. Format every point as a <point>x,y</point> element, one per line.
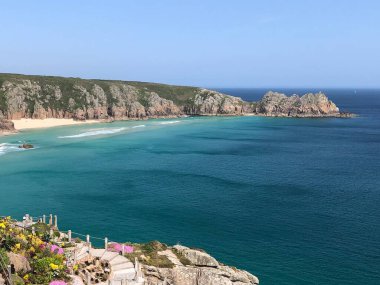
<point>94,133</point>
<point>170,122</point>
<point>8,147</point>
<point>138,126</point>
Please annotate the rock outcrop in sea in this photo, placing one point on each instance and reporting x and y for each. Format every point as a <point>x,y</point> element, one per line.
<point>308,105</point>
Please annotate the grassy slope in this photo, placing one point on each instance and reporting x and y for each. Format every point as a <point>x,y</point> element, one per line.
<point>179,94</point>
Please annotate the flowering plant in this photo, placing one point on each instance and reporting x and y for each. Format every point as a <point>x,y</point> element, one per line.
<point>56,249</point>
<point>119,247</point>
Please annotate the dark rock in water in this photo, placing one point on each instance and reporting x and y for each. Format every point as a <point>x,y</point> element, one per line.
<point>26,146</point>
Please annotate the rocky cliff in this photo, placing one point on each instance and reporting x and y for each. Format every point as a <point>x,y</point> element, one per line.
<point>40,97</point>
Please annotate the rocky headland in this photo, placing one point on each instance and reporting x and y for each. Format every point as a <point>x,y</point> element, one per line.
<point>309,105</point>
<point>41,97</point>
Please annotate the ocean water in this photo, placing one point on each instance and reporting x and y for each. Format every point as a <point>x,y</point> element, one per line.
<point>294,201</point>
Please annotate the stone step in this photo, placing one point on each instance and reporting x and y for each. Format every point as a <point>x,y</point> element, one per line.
<point>124,265</point>
<point>83,250</point>
<point>109,255</point>
<point>128,273</point>
<point>118,259</point>
<point>97,252</point>
<point>83,253</point>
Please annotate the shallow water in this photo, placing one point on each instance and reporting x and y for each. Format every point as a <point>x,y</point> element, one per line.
<point>294,201</point>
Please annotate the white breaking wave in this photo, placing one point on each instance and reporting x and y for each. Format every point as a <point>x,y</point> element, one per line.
<point>94,133</point>
<point>138,126</point>
<point>170,122</point>
<point>8,147</point>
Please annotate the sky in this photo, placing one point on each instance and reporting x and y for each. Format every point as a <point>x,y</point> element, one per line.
<point>208,43</point>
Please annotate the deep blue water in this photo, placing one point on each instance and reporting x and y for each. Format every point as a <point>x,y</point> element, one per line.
<point>294,201</point>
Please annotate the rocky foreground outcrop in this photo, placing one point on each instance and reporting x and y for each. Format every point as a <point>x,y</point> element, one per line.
<point>194,267</point>
<point>41,97</point>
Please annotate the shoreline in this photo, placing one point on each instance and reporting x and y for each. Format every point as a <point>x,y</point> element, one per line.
<point>27,124</point>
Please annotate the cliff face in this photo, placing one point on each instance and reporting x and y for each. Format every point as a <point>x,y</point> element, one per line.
<point>309,105</point>
<point>208,102</point>
<point>41,97</point>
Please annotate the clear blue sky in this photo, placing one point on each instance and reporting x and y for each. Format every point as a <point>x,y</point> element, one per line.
<point>221,43</point>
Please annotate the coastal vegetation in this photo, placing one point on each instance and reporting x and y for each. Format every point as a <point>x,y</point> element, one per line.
<point>35,259</point>
<point>34,253</point>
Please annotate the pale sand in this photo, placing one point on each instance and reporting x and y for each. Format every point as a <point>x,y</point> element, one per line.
<point>24,124</point>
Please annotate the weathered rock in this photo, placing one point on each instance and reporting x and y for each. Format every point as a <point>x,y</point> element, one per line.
<point>203,270</point>
<point>192,275</point>
<point>19,262</point>
<point>208,102</point>
<point>197,257</point>
<point>26,146</point>
<point>157,106</point>
<point>6,126</point>
<point>309,105</point>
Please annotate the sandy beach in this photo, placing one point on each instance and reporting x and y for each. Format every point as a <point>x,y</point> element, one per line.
<point>24,124</point>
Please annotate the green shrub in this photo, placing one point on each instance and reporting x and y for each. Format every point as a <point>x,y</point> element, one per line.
<point>17,280</point>
<point>4,256</point>
<point>157,260</point>
<point>47,269</point>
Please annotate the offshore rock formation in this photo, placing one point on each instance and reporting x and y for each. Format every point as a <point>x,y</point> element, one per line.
<point>309,105</point>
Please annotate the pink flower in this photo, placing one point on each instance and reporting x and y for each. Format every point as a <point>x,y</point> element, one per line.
<point>56,249</point>
<point>118,248</point>
<point>57,282</point>
<point>128,248</point>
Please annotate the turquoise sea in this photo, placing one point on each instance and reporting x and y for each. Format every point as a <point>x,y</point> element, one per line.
<point>294,201</point>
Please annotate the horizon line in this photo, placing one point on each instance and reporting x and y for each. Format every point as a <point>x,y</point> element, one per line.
<point>207,87</point>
